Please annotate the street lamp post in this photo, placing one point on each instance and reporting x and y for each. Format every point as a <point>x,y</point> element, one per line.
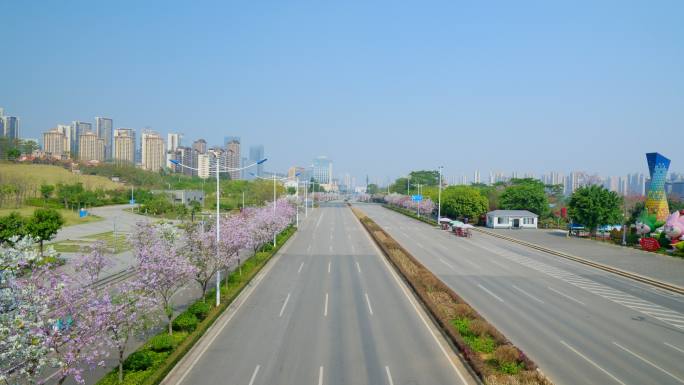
<point>274,197</point>
<point>439,196</point>
<point>218,217</point>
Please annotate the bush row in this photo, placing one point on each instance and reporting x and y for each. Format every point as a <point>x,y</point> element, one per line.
<point>489,353</point>
<point>150,364</point>
<point>412,214</point>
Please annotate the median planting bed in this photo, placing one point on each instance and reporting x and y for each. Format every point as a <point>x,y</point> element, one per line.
<point>154,360</point>
<point>493,358</point>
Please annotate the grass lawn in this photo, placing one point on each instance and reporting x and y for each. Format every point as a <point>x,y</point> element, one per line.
<point>37,174</point>
<point>119,244</point>
<point>70,217</point>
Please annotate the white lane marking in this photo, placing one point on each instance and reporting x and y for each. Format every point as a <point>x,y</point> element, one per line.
<point>308,250</point>
<point>490,293</point>
<point>370,309</point>
<point>353,249</point>
<point>527,294</point>
<point>617,296</point>
<point>256,370</point>
<point>358,267</point>
<point>674,347</point>
<point>331,236</point>
<point>389,376</point>
<point>592,362</point>
<point>282,309</point>
<point>300,268</point>
<point>329,263</point>
<point>349,236</point>
<point>320,376</point>
<point>325,309</point>
<point>330,248</point>
<point>498,263</point>
<point>319,220</point>
<point>648,362</point>
<point>413,303</point>
<point>565,295</point>
<point>447,263</point>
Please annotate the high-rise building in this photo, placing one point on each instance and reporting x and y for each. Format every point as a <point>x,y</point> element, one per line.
<point>152,151</point>
<point>90,147</point>
<point>233,156</point>
<point>105,131</point>
<point>173,141</point>
<point>77,128</point>
<point>10,127</point>
<point>200,145</point>
<point>256,153</point>
<point>184,156</point>
<point>124,146</point>
<point>204,165</point>
<point>322,170</point>
<point>476,177</point>
<point>55,144</point>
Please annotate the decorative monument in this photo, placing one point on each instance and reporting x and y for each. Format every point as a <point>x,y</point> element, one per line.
<point>656,201</point>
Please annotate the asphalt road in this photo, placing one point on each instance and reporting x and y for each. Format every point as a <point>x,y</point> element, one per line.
<point>581,325</point>
<point>328,311</point>
<point>657,266</point>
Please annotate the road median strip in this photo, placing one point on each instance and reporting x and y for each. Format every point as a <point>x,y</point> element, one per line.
<point>624,273</point>
<point>490,355</point>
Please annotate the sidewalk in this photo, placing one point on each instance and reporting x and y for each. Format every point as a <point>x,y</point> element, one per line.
<point>660,267</point>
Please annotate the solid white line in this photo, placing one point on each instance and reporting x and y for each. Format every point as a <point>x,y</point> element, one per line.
<point>329,267</point>
<point>358,267</point>
<point>282,309</point>
<point>325,310</point>
<point>389,376</point>
<point>370,309</point>
<point>256,370</point>
<point>320,376</point>
<point>592,362</point>
<point>490,293</point>
<point>648,362</point>
<point>300,268</point>
<point>565,295</point>
<point>528,294</point>
<point>412,302</point>
<point>674,347</point>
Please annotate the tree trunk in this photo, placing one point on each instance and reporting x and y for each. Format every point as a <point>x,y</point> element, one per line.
<point>121,353</point>
<point>41,247</point>
<point>170,327</point>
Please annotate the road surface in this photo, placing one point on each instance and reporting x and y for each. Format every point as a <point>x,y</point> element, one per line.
<point>580,324</point>
<point>328,311</point>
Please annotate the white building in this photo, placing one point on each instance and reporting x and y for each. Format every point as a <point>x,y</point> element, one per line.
<point>173,141</point>
<point>512,219</point>
<point>55,144</point>
<point>153,155</point>
<point>203,165</point>
<point>124,146</point>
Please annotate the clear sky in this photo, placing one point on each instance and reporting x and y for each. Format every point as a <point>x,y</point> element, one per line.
<point>381,87</point>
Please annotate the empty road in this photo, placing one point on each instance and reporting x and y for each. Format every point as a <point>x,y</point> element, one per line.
<point>581,325</point>
<point>327,311</point>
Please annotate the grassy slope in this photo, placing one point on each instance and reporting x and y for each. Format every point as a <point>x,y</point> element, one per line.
<point>37,174</point>
<point>70,217</point>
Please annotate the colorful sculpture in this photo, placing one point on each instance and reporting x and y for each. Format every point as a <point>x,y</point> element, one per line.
<point>647,223</point>
<point>674,227</point>
<point>656,201</point>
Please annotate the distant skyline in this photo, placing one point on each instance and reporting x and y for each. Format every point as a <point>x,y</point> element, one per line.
<point>381,88</point>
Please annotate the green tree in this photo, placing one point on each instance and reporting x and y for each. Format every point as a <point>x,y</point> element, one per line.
<point>400,186</point>
<point>526,194</point>
<point>46,191</point>
<point>28,146</point>
<point>12,225</point>
<point>424,177</point>
<point>463,202</point>
<point>373,188</point>
<point>594,206</point>
<point>13,153</point>
<point>44,224</point>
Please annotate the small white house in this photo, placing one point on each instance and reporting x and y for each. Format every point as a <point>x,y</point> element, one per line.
<point>512,219</point>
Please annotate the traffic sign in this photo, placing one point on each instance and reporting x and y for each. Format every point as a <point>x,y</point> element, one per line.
<point>416,198</point>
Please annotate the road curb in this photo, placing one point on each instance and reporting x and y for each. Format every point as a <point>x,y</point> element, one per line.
<point>628,274</point>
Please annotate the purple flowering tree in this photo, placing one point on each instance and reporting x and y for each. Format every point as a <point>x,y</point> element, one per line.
<point>92,263</point>
<point>162,267</point>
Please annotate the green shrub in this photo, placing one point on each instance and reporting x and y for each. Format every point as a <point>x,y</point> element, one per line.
<point>480,344</point>
<point>461,325</point>
<point>186,321</point>
<point>200,309</point>
<point>511,367</point>
<point>162,343</point>
<point>139,361</point>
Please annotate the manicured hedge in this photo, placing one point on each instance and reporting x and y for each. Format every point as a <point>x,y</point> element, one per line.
<point>494,358</point>
<point>182,341</point>
<point>412,214</point>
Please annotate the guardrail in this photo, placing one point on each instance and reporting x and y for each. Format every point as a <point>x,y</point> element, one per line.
<point>628,274</point>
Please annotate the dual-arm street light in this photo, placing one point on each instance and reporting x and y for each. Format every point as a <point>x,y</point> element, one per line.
<point>218,230</point>
<point>439,196</point>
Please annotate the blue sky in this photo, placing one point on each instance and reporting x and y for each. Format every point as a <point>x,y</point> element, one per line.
<point>381,87</point>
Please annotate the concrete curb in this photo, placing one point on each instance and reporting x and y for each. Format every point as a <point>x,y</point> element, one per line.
<point>628,274</point>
